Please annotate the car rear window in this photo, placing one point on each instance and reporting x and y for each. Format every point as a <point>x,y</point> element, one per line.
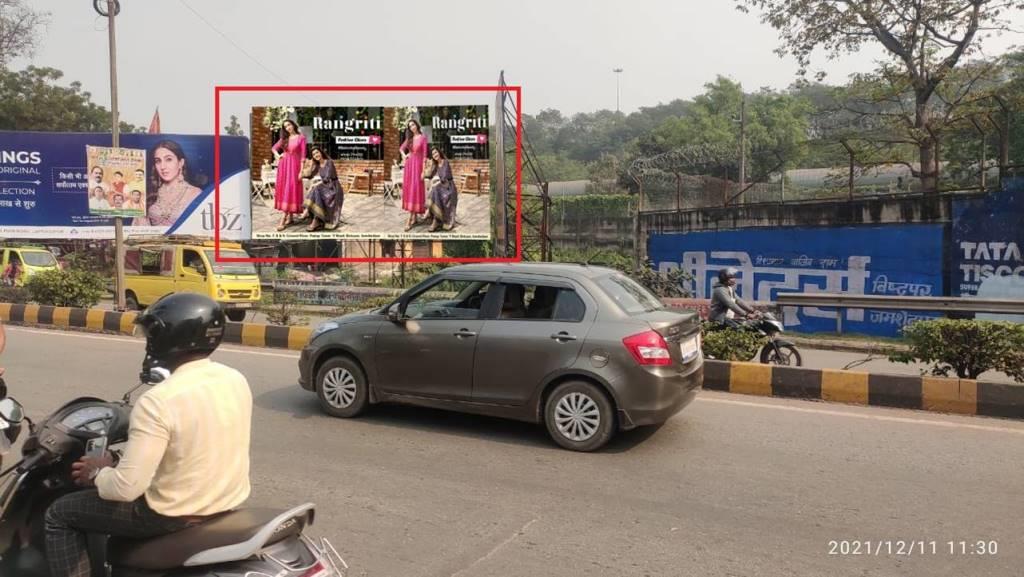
<point>39,258</point>
<point>631,297</point>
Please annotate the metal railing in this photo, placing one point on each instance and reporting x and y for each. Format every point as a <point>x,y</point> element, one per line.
<point>842,302</point>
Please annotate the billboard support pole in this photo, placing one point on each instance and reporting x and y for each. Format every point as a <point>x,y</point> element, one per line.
<point>501,248</point>
<point>113,8</point>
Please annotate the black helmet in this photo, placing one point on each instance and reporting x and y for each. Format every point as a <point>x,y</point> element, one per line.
<point>726,274</point>
<point>181,325</point>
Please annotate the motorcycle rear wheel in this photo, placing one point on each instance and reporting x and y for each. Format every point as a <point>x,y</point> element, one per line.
<point>786,356</point>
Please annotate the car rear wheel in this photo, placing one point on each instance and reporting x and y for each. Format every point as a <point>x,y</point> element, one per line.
<point>236,315</point>
<point>341,388</point>
<point>579,416</point>
<point>131,302</point>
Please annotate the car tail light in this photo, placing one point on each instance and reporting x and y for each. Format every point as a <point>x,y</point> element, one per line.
<point>649,349</point>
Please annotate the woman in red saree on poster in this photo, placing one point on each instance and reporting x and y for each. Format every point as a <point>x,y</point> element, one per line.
<point>290,150</point>
<point>414,193</point>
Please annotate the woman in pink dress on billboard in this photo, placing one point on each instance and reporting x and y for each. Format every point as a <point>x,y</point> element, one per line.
<point>291,151</point>
<point>414,192</point>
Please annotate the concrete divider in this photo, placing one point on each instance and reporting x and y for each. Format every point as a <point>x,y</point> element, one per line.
<point>944,395</point>
<point>250,334</point>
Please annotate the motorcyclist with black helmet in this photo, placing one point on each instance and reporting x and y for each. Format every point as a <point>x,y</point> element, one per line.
<point>725,305</point>
<point>187,455</point>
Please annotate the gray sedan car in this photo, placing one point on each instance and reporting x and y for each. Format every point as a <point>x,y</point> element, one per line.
<point>585,350</point>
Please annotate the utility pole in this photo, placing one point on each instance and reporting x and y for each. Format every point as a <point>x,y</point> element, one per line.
<point>743,146</point>
<point>618,74</point>
<point>113,8</point>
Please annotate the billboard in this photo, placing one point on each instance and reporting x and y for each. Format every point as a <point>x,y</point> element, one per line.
<point>372,173</point>
<point>110,194</point>
<point>886,260</point>
<point>988,246</point>
<point>45,184</point>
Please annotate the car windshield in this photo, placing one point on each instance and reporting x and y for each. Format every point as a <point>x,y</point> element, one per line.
<point>631,297</point>
<point>239,268</point>
<point>38,258</point>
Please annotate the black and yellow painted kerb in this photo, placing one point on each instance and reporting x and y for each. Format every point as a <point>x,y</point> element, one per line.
<point>254,335</point>
<point>89,319</point>
<point>906,392</point>
<point>944,395</point>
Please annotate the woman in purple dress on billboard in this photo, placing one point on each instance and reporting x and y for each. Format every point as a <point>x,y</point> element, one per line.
<point>326,196</point>
<point>291,151</point>
<point>444,199</point>
<point>414,152</point>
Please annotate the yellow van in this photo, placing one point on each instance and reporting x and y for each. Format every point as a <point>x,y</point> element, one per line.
<point>28,260</point>
<point>153,270</point>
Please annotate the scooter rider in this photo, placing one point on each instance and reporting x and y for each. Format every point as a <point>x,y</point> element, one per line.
<point>187,456</point>
<point>725,305</point>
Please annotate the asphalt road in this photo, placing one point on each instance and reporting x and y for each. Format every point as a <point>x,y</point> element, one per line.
<point>733,486</point>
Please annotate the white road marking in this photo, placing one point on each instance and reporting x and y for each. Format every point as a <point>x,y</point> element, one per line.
<point>140,342</point>
<point>859,415</point>
<point>497,548</point>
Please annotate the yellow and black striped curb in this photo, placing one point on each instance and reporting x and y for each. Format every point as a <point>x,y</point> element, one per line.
<point>939,394</point>
<point>249,334</point>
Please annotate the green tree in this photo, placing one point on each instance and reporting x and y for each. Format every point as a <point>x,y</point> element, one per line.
<point>558,167</point>
<point>19,30</point>
<point>777,125</point>
<point>234,128</point>
<point>925,42</point>
<point>32,99</point>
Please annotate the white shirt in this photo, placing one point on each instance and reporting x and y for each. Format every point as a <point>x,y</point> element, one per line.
<point>188,444</point>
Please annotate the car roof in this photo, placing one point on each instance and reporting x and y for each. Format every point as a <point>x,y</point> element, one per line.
<point>570,270</point>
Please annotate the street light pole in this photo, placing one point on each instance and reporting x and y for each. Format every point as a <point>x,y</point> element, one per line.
<point>113,7</point>
<point>618,74</point>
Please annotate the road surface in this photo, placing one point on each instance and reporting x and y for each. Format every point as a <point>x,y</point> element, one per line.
<point>733,486</point>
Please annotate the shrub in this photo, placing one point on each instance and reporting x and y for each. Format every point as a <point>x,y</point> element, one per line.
<point>729,344</point>
<point>67,288</point>
<point>13,295</point>
<point>967,348</point>
<point>362,305</point>
<point>281,308</point>
<point>670,284</point>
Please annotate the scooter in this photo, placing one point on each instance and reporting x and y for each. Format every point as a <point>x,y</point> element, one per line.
<point>246,542</point>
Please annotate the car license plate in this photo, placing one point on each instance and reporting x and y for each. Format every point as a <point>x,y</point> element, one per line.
<point>688,348</point>
<point>240,305</point>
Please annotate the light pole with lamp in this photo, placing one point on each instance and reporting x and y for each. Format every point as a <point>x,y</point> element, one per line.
<point>110,9</point>
<point>618,74</point>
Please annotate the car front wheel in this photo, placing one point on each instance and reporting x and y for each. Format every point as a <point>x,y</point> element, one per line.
<point>579,416</point>
<point>341,388</point>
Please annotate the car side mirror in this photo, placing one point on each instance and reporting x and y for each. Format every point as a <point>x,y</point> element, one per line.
<point>395,314</point>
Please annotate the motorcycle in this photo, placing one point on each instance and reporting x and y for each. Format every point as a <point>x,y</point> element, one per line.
<point>776,351</point>
<point>247,542</point>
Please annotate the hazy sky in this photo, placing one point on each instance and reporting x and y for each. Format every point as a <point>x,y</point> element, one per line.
<point>561,52</point>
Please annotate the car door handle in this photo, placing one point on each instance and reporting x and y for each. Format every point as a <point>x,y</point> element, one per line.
<point>465,333</point>
<point>563,337</point>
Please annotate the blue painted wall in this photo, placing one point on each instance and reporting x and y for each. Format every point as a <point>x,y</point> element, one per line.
<point>888,259</point>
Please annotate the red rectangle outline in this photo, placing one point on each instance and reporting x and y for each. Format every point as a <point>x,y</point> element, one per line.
<point>519,169</point>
